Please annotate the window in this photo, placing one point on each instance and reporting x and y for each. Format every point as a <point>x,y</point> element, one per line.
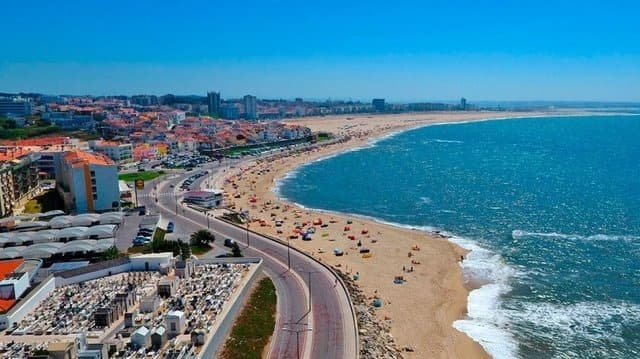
<point>95,196</point>
<point>93,181</point>
<point>94,189</point>
<point>93,173</point>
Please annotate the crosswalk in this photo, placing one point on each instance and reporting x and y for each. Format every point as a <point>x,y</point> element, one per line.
<point>154,195</point>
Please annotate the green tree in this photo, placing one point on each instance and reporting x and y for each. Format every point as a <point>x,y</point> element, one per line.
<point>235,250</point>
<point>202,237</point>
<point>111,253</point>
<point>185,249</point>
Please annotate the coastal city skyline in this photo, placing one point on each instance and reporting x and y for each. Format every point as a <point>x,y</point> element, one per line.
<point>411,52</point>
<point>280,179</point>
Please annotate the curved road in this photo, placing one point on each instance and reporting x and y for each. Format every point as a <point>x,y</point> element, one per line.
<point>331,324</point>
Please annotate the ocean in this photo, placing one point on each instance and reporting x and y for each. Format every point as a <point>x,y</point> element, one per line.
<point>550,207</point>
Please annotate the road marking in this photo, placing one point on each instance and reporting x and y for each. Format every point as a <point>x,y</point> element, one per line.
<point>307,339</point>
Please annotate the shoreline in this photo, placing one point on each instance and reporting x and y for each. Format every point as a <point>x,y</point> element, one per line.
<point>437,295</point>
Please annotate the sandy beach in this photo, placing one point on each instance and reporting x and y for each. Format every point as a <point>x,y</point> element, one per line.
<point>422,309</point>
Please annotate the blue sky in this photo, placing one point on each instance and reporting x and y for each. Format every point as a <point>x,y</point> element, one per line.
<point>403,50</point>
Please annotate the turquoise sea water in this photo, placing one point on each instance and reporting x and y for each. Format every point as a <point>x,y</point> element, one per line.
<point>550,206</point>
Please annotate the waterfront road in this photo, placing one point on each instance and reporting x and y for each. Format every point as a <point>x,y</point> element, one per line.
<point>326,331</point>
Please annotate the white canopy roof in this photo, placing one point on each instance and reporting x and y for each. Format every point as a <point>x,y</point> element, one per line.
<point>60,222</point>
<point>85,219</point>
<point>72,232</point>
<point>47,235</point>
<point>111,218</point>
<point>42,250</point>
<point>46,250</point>
<point>101,231</point>
<point>32,225</point>
<point>12,252</point>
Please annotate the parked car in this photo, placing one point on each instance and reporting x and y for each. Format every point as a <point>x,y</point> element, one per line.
<point>140,241</point>
<point>170,227</point>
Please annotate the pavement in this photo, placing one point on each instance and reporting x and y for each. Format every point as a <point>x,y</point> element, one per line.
<point>332,333</point>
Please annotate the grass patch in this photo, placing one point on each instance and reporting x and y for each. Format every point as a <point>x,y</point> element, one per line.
<point>323,136</point>
<point>45,202</point>
<point>139,249</point>
<point>159,234</point>
<point>146,175</point>
<point>198,249</point>
<point>255,325</point>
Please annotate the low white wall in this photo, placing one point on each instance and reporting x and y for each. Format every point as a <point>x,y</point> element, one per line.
<point>93,275</point>
<point>28,304</point>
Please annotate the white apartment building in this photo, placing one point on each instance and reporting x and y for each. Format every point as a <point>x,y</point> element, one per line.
<point>119,152</point>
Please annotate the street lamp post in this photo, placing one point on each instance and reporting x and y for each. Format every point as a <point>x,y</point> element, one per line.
<point>297,331</point>
<point>309,284</point>
<point>288,253</point>
<point>248,234</point>
<point>248,220</point>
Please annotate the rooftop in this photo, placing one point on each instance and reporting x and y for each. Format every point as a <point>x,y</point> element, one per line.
<point>12,153</point>
<point>9,266</point>
<point>80,158</point>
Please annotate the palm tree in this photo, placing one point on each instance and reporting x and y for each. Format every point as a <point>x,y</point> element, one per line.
<point>202,237</point>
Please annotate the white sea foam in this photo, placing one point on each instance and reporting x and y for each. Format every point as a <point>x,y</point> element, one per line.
<point>486,323</point>
<point>579,321</point>
<point>520,234</point>
<point>437,140</point>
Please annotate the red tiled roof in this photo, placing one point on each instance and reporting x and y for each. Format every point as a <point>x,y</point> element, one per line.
<point>80,158</point>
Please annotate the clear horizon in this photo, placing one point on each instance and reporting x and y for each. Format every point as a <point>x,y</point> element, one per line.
<point>413,52</point>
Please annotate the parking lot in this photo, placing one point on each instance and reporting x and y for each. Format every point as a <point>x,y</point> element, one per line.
<point>130,227</point>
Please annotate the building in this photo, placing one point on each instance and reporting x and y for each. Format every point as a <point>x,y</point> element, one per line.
<point>378,104</point>
<point>141,338</point>
<point>175,323</point>
<point>167,287</point>
<point>63,350</point>
<point>150,262</point>
<point>130,318</point>
<point>18,178</point>
<point>205,198</point>
<point>184,269</point>
<point>463,103</point>
<point>250,108</point>
<point>176,117</point>
<point>150,303</point>
<point>88,182</point>
<point>198,337</point>
<point>69,121</point>
<point>15,108</point>
<point>104,317</point>
<point>12,283</point>
<point>229,112</point>
<point>213,103</point>
<point>158,337</point>
<point>144,100</point>
<point>119,152</point>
